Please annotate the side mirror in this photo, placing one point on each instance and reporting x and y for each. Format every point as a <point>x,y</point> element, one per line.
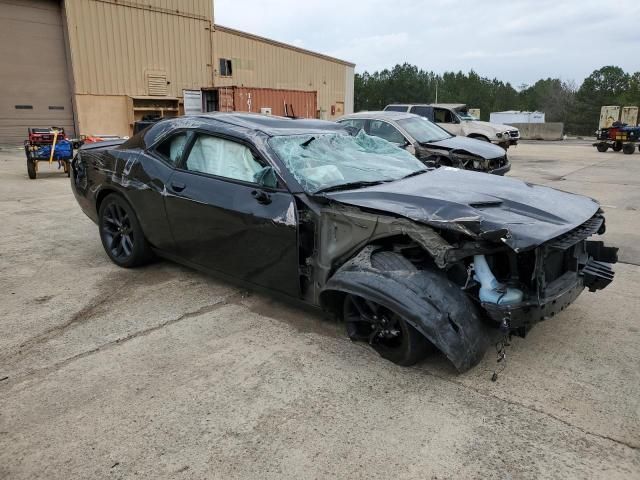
<point>266,177</point>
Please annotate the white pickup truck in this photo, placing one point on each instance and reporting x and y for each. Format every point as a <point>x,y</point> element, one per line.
<point>455,119</point>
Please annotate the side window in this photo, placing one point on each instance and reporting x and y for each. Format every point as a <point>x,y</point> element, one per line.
<point>223,158</point>
<point>384,130</point>
<point>422,111</point>
<point>354,122</point>
<point>171,149</point>
<point>442,115</point>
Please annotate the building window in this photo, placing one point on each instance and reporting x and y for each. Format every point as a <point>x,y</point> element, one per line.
<point>225,67</point>
<point>55,107</point>
<point>24,107</point>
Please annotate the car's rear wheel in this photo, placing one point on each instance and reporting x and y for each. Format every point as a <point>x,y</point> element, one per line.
<point>121,233</point>
<point>617,146</point>
<point>628,148</point>
<point>602,147</point>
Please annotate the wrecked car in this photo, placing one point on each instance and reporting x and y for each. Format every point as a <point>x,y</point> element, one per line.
<point>431,144</point>
<point>456,119</point>
<point>411,258</point>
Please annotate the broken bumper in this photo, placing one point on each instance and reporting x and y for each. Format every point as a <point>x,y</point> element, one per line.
<point>501,170</point>
<point>595,275</point>
<point>526,314</point>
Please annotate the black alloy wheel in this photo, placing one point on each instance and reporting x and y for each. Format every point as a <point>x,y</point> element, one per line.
<point>121,233</point>
<point>386,331</point>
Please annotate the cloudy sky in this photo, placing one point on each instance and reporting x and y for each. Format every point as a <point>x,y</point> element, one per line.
<point>518,41</point>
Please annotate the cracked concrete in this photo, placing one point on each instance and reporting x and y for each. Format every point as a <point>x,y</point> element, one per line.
<point>163,372</point>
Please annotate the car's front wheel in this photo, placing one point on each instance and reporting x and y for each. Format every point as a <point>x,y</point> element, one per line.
<point>386,331</point>
<point>121,233</point>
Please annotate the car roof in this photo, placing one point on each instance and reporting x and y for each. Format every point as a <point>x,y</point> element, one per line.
<point>272,125</point>
<point>453,106</point>
<point>380,115</point>
<point>244,125</point>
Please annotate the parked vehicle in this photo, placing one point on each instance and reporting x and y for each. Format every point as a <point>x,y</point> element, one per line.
<point>619,136</point>
<point>410,257</point>
<point>434,146</point>
<point>47,145</point>
<point>455,119</point>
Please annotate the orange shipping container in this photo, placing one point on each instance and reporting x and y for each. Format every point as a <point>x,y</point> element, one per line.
<point>292,103</point>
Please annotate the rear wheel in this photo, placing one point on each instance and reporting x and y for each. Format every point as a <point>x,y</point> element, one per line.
<point>617,146</point>
<point>121,234</point>
<point>628,148</point>
<point>602,147</point>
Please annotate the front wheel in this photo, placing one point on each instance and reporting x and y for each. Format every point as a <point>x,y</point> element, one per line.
<point>602,147</point>
<point>386,331</point>
<point>617,146</point>
<point>121,233</point>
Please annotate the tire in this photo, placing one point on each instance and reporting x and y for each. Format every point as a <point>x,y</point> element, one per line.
<point>121,233</point>
<point>628,148</point>
<point>617,146</point>
<point>31,169</point>
<point>602,147</point>
<point>387,332</point>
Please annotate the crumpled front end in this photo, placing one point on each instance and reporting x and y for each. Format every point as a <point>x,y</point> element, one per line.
<point>551,276</point>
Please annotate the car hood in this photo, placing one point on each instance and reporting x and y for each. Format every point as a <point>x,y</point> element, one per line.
<point>477,204</point>
<point>475,147</point>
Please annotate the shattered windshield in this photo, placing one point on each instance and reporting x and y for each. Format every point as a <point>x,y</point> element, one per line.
<point>328,161</point>
<point>422,130</point>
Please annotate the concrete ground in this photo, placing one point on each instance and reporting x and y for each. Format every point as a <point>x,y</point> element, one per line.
<point>162,372</point>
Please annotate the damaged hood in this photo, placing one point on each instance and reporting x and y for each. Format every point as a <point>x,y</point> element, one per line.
<point>477,204</point>
<point>469,145</point>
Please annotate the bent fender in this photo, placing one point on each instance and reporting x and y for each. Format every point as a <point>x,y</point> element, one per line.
<point>426,299</point>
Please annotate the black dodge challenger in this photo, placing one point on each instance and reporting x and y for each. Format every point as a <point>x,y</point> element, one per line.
<point>411,258</point>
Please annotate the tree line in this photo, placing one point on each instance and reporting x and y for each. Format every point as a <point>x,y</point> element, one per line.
<point>561,101</point>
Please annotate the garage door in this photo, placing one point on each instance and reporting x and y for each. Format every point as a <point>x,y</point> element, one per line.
<point>34,85</point>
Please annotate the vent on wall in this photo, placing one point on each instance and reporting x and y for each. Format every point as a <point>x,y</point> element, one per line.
<point>156,83</point>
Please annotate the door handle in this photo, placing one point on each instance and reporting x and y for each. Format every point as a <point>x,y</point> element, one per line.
<point>261,197</point>
<point>177,187</point>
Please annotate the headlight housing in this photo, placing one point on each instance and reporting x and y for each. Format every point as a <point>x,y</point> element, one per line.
<point>499,135</point>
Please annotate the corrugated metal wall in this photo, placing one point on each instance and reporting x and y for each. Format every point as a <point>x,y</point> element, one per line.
<point>246,99</point>
<point>115,44</point>
<point>259,62</point>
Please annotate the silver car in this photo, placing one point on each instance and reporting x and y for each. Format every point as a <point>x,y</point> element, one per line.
<point>430,143</point>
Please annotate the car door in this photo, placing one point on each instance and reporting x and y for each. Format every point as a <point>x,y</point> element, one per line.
<point>146,180</point>
<point>447,120</point>
<point>223,220</point>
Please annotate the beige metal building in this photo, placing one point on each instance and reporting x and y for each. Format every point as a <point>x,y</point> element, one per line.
<point>96,66</point>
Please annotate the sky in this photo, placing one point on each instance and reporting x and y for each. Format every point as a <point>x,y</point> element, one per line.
<point>517,41</point>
